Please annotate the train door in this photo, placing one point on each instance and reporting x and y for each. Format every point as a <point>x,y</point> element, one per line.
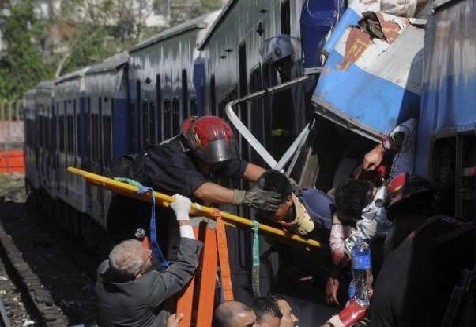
<point>96,149</point>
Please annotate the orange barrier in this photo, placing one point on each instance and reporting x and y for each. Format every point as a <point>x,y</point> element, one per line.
<point>12,161</point>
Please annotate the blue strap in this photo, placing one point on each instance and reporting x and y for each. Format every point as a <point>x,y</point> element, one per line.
<point>164,263</point>
<point>256,261</point>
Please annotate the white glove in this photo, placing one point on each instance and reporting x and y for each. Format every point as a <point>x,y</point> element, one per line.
<point>181,206</point>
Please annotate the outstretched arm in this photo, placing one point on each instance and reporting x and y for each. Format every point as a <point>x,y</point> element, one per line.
<point>253,172</point>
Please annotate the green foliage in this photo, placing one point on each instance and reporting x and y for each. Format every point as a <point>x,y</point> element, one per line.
<point>22,67</point>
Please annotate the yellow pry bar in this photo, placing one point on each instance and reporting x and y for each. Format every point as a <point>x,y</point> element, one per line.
<point>165,200</point>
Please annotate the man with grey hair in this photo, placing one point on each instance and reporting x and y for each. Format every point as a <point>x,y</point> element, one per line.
<point>130,291</point>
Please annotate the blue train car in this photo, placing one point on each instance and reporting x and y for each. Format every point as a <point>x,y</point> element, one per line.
<point>257,46</point>
<point>161,78</point>
<point>446,149</point>
<point>104,126</point>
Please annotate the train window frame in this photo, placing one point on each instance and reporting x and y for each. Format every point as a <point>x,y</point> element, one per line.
<point>286,17</point>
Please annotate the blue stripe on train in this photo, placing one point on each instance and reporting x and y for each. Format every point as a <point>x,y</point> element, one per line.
<point>359,95</point>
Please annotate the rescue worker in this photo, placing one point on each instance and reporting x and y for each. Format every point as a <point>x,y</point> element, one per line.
<point>267,312</point>
<point>424,260</point>
<point>288,318</point>
<point>130,290</point>
<point>190,164</point>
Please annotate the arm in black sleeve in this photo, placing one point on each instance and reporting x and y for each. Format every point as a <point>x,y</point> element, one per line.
<point>174,279</point>
<point>171,170</point>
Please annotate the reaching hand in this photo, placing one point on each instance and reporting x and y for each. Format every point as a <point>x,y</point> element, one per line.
<point>173,320</point>
<point>181,206</point>
<point>373,158</point>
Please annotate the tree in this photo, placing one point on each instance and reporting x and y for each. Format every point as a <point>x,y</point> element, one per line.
<point>22,67</point>
<point>91,30</point>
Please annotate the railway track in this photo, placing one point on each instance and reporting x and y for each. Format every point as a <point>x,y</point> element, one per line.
<point>45,278</point>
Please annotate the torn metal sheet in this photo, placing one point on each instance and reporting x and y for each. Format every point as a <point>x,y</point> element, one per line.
<point>368,84</point>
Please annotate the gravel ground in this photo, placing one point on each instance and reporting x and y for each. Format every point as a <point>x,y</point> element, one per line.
<point>58,269</point>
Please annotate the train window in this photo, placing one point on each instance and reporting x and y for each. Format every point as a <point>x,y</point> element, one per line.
<point>107,141</point>
<point>158,111</point>
<point>213,96</point>
<point>175,116</point>
<point>95,136</point>
<point>88,131</point>
<point>259,117</point>
<point>454,174</point>
<point>167,119</point>
<point>280,117</point>
<point>136,117</point>
<point>61,133</point>
<point>75,137</point>
<point>193,107</point>
<point>152,123</point>
<point>185,109</point>
<point>285,17</point>
<point>145,125</point>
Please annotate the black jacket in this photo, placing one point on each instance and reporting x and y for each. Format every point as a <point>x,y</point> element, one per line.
<point>135,303</point>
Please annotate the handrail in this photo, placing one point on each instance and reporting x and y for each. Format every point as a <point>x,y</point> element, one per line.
<point>165,200</point>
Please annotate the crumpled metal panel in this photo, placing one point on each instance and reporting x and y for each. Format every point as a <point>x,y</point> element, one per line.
<point>370,84</point>
<point>449,78</point>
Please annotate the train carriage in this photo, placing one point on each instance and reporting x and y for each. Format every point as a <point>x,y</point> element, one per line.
<point>70,106</point>
<point>446,147</point>
<point>32,180</point>
<point>161,82</point>
<point>44,102</point>
<point>105,127</point>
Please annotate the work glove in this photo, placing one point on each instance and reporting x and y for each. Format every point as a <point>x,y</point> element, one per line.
<point>181,206</point>
<point>258,199</point>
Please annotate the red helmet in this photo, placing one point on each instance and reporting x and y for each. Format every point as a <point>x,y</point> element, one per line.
<point>210,138</point>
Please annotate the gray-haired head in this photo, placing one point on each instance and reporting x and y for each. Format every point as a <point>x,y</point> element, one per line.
<point>129,257</point>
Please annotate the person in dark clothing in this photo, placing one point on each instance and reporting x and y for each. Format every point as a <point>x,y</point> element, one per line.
<point>425,256</point>
<point>190,164</point>
<point>130,290</point>
<point>302,273</point>
<point>267,312</point>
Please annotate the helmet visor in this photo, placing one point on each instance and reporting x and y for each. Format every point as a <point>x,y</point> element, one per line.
<point>219,150</point>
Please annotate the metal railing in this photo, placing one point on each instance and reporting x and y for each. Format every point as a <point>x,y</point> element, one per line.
<point>11,110</point>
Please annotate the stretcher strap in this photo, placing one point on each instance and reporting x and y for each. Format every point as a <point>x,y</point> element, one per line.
<point>164,263</point>
<point>256,260</point>
<point>223,258</point>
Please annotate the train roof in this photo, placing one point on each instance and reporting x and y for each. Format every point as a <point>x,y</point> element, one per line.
<point>197,23</point>
<point>30,92</point>
<point>46,85</point>
<point>225,11</point>
<point>77,73</point>
<point>110,64</point>
<point>439,3</point>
